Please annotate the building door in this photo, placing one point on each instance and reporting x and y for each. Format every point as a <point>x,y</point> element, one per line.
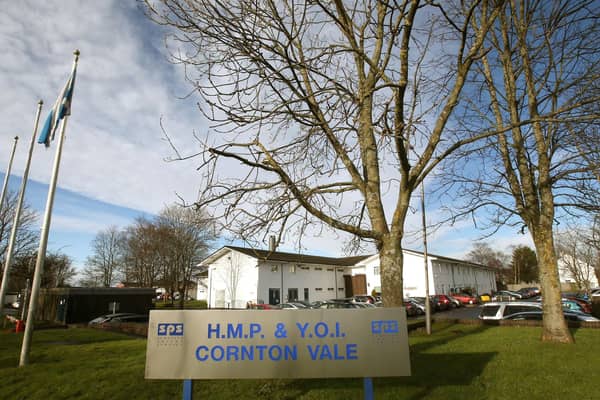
<point>359,284</point>
<point>306,294</point>
<point>348,285</point>
<point>292,294</point>
<point>274,296</point>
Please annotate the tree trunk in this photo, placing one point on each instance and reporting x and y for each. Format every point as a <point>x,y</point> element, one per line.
<point>391,260</point>
<point>555,328</point>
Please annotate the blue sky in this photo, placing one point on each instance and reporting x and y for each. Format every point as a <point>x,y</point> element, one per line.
<point>114,165</point>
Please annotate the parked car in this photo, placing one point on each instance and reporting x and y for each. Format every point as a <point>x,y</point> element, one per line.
<point>336,304</point>
<point>572,305</point>
<point>585,305</point>
<point>419,307</point>
<point>454,302</point>
<point>364,298</point>
<point>290,306</point>
<point>421,300</point>
<point>411,311</point>
<point>465,298</point>
<point>506,295</point>
<point>441,302</point>
<point>539,315</point>
<point>499,310</point>
<point>119,317</point>
<point>528,292</point>
<point>485,297</point>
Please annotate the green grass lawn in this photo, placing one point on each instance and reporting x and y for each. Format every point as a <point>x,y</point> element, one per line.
<point>457,362</point>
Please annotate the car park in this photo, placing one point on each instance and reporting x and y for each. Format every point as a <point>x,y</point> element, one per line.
<point>500,310</point>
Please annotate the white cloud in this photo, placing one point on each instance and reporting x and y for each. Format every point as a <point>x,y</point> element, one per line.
<point>114,149</point>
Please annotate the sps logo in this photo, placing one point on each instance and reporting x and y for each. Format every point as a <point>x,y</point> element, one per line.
<point>170,329</point>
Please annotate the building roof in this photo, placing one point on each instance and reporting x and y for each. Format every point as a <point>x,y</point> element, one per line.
<point>278,256</point>
<point>267,255</point>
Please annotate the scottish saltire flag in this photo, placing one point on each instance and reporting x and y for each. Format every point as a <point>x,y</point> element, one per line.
<point>61,107</point>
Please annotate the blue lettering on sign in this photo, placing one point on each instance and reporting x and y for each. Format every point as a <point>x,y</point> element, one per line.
<point>170,329</point>
<point>335,352</point>
<point>234,331</point>
<point>384,327</point>
<point>246,353</point>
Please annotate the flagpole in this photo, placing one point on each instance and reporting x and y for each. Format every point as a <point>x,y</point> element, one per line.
<point>13,233</point>
<point>10,161</point>
<point>41,256</point>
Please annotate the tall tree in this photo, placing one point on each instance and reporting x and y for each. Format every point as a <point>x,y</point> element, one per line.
<point>482,253</point>
<point>325,112</point>
<point>533,91</point>
<point>524,265</point>
<point>103,265</point>
<point>142,261</point>
<point>187,236</point>
<point>58,271</point>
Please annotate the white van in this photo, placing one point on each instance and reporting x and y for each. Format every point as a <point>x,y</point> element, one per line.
<point>501,309</point>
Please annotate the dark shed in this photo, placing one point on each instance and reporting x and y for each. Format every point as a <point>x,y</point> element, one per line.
<point>77,305</point>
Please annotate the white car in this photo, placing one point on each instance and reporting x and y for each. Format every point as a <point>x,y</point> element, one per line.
<point>498,310</point>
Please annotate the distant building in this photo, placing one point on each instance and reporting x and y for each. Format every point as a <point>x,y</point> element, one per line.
<point>238,275</point>
<point>80,305</point>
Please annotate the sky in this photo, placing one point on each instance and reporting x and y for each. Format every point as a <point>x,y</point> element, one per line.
<point>115,164</point>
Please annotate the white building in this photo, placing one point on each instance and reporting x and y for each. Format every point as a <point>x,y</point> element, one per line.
<point>238,275</point>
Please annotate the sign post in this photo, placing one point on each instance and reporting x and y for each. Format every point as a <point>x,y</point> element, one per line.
<point>283,344</point>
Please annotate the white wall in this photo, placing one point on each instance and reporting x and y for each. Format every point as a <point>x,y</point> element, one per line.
<point>232,281</point>
<point>443,275</point>
<point>322,281</point>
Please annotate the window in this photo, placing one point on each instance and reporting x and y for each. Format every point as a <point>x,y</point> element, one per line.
<point>330,289</point>
<point>376,270</point>
<point>274,268</point>
<point>293,269</point>
<point>318,289</point>
<point>318,269</point>
<point>330,269</point>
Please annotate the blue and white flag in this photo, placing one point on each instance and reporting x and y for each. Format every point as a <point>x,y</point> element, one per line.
<point>61,107</point>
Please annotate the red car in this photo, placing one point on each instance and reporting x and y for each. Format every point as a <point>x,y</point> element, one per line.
<point>465,298</point>
<point>585,306</point>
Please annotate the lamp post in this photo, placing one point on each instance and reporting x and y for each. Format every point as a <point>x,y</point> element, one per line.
<point>425,261</point>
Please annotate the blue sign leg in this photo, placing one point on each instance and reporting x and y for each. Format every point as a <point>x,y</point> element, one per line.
<point>368,388</point>
<point>187,389</point>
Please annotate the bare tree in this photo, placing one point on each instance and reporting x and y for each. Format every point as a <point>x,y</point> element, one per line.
<point>103,265</point>
<point>27,237</point>
<point>326,113</point>
<point>533,80</point>
<point>578,259</point>
<point>482,253</point>
<point>142,263</point>
<point>58,270</point>
<point>186,237</point>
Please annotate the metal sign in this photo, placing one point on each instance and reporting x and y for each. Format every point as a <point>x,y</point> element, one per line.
<point>258,344</point>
